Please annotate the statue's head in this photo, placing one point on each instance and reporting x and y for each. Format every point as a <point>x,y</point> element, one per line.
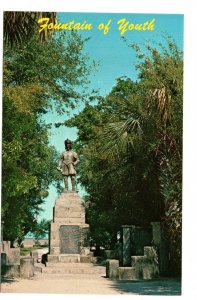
<point>68,144</point>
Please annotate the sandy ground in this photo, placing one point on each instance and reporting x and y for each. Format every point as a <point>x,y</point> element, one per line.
<point>94,284</point>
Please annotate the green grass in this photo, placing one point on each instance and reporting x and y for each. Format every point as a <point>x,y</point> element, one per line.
<point>26,251</point>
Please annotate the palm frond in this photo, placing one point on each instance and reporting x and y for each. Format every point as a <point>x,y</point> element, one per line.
<point>119,135</point>
<point>160,99</point>
<point>19,26</point>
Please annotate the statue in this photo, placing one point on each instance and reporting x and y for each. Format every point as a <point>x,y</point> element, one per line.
<point>69,159</point>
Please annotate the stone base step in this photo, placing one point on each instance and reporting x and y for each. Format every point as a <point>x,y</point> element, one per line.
<point>146,266</point>
<point>86,259</point>
<point>65,258</point>
<point>73,270</point>
<point>75,258</point>
<point>128,273</point>
<point>69,265</point>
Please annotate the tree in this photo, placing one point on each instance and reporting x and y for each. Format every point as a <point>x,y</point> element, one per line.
<point>118,185</point>
<point>158,125</point>
<point>48,73</point>
<point>41,229</point>
<point>131,149</point>
<point>38,77</point>
<point>28,169</point>
<point>19,26</point>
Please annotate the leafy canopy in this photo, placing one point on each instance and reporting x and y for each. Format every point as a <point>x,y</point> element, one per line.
<point>38,77</point>
<point>131,150</point>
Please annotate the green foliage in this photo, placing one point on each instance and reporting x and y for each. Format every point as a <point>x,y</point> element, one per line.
<point>37,78</point>
<point>43,76</point>
<point>131,151</point>
<point>20,25</point>
<point>121,180</point>
<point>41,229</point>
<point>162,80</point>
<point>26,251</point>
<point>28,169</point>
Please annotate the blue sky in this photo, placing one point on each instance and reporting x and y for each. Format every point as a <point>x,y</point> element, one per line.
<point>115,59</point>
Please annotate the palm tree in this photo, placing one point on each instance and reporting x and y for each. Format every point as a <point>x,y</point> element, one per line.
<point>156,128</point>
<point>19,26</point>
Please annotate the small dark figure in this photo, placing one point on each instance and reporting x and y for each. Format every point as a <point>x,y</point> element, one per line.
<point>69,159</point>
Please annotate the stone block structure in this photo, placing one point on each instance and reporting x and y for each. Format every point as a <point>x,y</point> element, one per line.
<point>68,232</point>
<point>134,239</point>
<point>160,242</point>
<point>146,266</point>
<point>126,245</point>
<point>112,266</point>
<point>14,256</point>
<point>142,267</point>
<point>10,260</point>
<point>127,273</point>
<point>69,250</point>
<point>143,255</point>
<point>27,267</point>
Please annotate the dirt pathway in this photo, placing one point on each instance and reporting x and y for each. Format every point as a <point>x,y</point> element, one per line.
<point>89,284</point>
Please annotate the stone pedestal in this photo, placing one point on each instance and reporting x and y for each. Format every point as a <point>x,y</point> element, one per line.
<point>27,267</point>
<point>134,239</point>
<point>68,231</point>
<point>10,260</point>
<point>162,245</point>
<point>112,266</point>
<point>126,245</point>
<point>157,235</point>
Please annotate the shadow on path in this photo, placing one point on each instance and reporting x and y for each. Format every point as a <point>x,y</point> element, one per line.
<point>8,279</point>
<point>168,287</point>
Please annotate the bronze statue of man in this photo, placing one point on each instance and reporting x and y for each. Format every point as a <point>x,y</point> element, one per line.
<point>69,159</point>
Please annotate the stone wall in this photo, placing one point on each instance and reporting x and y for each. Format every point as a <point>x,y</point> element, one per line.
<point>144,267</point>
<point>10,260</point>
<point>12,265</point>
<point>161,243</point>
<point>134,239</point>
<point>144,255</point>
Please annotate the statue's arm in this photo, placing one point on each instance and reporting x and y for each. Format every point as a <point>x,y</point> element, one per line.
<point>76,159</point>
